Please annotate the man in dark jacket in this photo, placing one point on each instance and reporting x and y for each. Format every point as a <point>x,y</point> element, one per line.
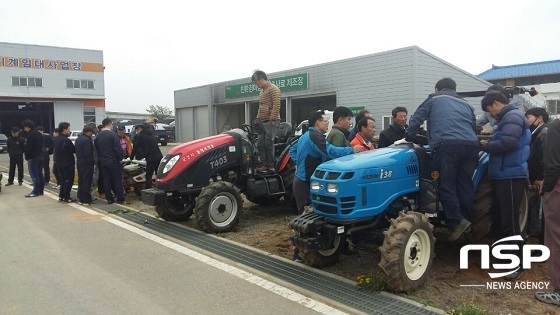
<point>110,155</point>
<point>455,147</point>
<point>507,169</point>
<point>66,165</point>
<point>16,147</point>
<point>54,168</point>
<point>34,157</point>
<point>147,143</point>
<point>48,147</point>
<point>396,131</point>
<point>85,164</point>
<point>538,120</point>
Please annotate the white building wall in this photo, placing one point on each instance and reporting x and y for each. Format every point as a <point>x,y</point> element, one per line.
<point>70,112</point>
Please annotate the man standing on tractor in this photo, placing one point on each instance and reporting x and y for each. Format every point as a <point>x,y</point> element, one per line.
<point>342,117</point>
<point>396,130</point>
<point>367,131</point>
<point>311,150</point>
<point>269,114</point>
<point>455,147</point>
<point>507,170</point>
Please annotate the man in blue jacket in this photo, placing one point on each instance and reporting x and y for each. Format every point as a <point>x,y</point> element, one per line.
<point>455,148</point>
<point>85,164</point>
<point>507,170</point>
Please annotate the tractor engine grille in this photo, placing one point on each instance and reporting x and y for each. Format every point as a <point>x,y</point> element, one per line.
<point>330,204</point>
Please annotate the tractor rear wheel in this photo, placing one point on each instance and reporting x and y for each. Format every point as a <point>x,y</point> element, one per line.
<point>175,209</point>
<point>288,174</point>
<point>218,207</point>
<point>482,217</point>
<point>326,257</point>
<point>407,252</point>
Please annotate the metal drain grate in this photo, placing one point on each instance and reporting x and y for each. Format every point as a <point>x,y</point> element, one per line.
<point>331,288</point>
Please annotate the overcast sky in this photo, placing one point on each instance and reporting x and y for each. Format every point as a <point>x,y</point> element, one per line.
<point>152,48</point>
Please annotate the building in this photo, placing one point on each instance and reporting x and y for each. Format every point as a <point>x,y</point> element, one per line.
<point>50,85</point>
<point>377,82</point>
<point>543,76</point>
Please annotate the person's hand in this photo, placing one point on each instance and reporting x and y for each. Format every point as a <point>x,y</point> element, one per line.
<point>357,149</point>
<point>537,185</point>
<point>486,132</point>
<point>483,144</point>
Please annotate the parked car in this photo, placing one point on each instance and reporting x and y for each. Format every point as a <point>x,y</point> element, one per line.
<point>3,142</point>
<point>74,135</point>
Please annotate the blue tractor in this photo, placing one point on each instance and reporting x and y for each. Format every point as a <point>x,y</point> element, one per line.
<point>389,190</point>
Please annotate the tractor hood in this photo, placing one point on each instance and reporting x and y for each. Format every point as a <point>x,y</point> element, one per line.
<point>368,159</point>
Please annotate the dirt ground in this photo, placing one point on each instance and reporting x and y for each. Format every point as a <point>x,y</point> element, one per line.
<point>267,228</point>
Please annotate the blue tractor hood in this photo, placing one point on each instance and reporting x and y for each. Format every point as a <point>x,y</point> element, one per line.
<point>367,159</point>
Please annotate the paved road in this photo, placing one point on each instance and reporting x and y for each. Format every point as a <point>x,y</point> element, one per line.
<point>56,258</point>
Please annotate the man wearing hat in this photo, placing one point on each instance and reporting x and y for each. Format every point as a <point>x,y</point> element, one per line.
<point>16,147</point>
<point>85,163</point>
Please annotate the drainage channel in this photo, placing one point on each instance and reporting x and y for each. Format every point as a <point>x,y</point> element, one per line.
<point>329,287</point>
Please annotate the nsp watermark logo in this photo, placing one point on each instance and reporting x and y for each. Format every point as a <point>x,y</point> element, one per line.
<point>500,252</point>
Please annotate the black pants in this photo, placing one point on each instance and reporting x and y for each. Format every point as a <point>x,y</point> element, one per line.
<point>85,177</point>
<point>508,194</point>
<point>55,172</point>
<point>302,194</point>
<point>151,168</point>
<point>47,167</point>
<point>112,178</point>
<point>66,175</point>
<point>15,161</point>
<point>100,184</point>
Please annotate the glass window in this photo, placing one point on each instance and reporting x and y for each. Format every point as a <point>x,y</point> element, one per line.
<point>76,84</point>
<point>69,83</point>
<point>39,82</point>
<point>31,81</point>
<point>22,81</point>
<point>89,114</point>
<point>83,84</point>
<point>15,81</point>
<point>90,85</point>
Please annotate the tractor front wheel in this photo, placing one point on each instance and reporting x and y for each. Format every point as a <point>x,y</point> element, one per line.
<point>407,252</point>
<point>175,209</point>
<point>325,257</point>
<point>218,207</point>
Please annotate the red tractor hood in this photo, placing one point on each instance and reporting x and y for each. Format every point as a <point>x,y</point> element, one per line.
<point>190,152</point>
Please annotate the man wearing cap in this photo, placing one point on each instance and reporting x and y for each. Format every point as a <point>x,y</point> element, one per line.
<point>85,163</point>
<point>124,140</point>
<point>66,165</point>
<point>16,147</point>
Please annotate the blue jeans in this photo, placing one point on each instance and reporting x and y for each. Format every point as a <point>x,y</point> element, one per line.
<point>456,164</point>
<point>35,167</point>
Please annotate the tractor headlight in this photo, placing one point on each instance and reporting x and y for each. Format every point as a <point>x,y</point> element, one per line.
<point>332,188</point>
<point>172,161</point>
<point>315,185</point>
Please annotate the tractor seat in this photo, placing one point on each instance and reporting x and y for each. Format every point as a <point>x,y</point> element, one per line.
<point>283,132</point>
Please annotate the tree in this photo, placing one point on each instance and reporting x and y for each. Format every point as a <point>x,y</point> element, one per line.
<point>160,112</point>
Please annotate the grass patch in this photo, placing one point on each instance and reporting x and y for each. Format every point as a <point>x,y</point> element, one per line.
<point>468,309</point>
<point>372,282</point>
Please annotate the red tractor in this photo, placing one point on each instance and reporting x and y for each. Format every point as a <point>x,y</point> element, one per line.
<point>207,177</point>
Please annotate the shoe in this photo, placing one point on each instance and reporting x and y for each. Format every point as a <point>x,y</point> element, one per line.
<point>262,169</point>
<point>515,276</point>
<point>20,183</point>
<point>56,186</point>
<point>10,184</point>
<point>298,260</point>
<point>31,195</point>
<point>459,229</point>
<point>549,297</point>
<point>121,202</point>
<point>60,200</point>
<point>271,169</point>
<point>69,200</point>
<point>110,201</point>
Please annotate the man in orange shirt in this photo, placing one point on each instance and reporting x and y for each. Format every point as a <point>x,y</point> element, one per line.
<point>366,127</point>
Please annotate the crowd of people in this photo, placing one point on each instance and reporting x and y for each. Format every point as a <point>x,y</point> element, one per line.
<point>96,153</point>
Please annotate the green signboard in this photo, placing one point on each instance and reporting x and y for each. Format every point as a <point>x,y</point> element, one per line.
<point>289,83</point>
<point>356,110</point>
